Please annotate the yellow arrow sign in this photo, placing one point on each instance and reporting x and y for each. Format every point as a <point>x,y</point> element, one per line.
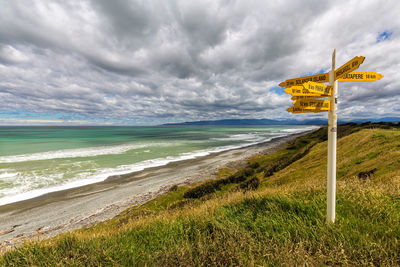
<point>318,88</point>
<point>302,110</point>
<point>349,67</point>
<point>321,78</point>
<point>361,76</point>
<point>306,97</point>
<point>301,91</point>
<point>313,104</point>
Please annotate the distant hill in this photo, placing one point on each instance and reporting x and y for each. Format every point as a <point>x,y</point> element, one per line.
<point>275,122</point>
<point>384,119</point>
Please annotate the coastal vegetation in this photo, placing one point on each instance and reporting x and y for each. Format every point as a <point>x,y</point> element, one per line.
<point>269,212</point>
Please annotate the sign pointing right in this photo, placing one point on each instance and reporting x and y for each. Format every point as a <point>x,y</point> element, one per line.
<point>361,76</point>
<point>349,67</point>
<point>318,88</point>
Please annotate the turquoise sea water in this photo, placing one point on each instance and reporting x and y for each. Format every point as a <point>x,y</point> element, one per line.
<point>38,160</point>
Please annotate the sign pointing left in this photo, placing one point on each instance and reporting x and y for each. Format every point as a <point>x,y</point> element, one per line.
<point>320,78</point>
<point>306,97</point>
<point>313,104</point>
<point>302,110</point>
<point>301,91</point>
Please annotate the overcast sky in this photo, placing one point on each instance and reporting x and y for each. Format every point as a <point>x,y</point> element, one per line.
<point>156,61</point>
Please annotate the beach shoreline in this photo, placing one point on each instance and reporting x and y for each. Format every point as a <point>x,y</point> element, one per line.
<point>53,213</point>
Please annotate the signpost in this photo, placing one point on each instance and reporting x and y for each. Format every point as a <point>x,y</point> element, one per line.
<point>320,78</point>
<point>348,67</point>
<point>306,97</point>
<point>318,88</point>
<point>312,104</point>
<point>332,137</point>
<point>300,110</point>
<point>363,76</point>
<point>300,91</point>
<point>305,90</point>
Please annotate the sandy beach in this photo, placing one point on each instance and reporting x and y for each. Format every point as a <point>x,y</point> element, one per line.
<point>61,211</point>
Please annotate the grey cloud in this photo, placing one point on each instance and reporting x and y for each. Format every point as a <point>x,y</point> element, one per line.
<point>128,18</point>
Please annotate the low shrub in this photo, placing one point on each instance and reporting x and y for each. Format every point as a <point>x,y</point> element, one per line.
<point>203,189</point>
<point>254,165</point>
<point>239,176</point>
<point>173,188</point>
<point>286,161</point>
<point>212,186</point>
<point>250,184</point>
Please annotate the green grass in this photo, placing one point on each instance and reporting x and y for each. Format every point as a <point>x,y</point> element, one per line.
<point>283,222</point>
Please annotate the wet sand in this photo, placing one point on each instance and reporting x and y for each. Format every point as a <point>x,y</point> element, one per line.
<point>61,211</point>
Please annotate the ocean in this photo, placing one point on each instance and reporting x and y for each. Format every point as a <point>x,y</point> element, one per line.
<point>38,160</point>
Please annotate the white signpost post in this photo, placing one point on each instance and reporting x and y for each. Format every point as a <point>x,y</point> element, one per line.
<point>305,102</point>
<point>332,135</point>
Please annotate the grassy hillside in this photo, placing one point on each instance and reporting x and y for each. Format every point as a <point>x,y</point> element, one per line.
<point>270,213</point>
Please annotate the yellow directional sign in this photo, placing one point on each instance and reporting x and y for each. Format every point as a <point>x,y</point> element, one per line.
<point>302,110</point>
<point>318,88</point>
<point>361,76</point>
<point>302,97</point>
<point>300,91</point>
<point>313,104</point>
<point>349,67</point>
<point>294,90</point>
<point>321,78</point>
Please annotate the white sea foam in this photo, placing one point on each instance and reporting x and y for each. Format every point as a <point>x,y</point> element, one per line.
<point>77,153</point>
<point>299,130</point>
<point>38,192</point>
<point>6,175</point>
<point>241,137</point>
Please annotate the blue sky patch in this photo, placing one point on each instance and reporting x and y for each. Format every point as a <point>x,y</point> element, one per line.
<point>313,73</point>
<point>383,36</point>
<point>278,90</point>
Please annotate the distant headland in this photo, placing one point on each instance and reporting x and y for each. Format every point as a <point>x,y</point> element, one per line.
<point>245,122</point>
